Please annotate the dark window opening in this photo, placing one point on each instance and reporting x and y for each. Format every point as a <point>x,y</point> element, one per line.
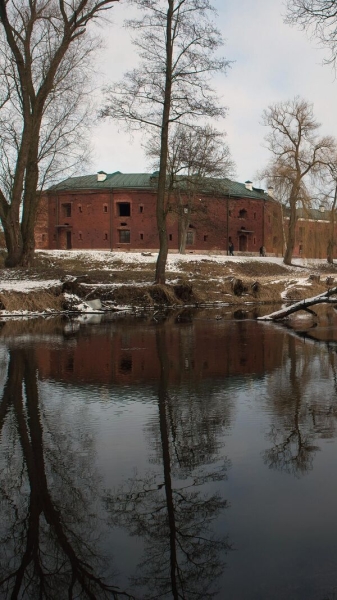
<point>105,208</point>
<point>66,210</point>
<point>254,241</point>
<point>124,209</point>
<point>141,235</point>
<point>125,366</point>
<point>43,237</point>
<point>123,224</point>
<point>205,238</point>
<point>229,213</point>
<point>141,209</point>
<point>124,236</point>
<point>105,236</point>
<point>80,235</point>
<point>243,213</point>
<point>70,364</point>
<point>80,208</point>
<point>170,237</point>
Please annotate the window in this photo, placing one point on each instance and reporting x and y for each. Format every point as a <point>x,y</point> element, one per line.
<point>229,213</point>
<point>124,209</point>
<point>141,235</point>
<point>190,238</point>
<point>43,237</point>
<point>170,237</point>
<point>80,235</point>
<point>105,236</point>
<point>66,210</point>
<point>80,208</point>
<point>205,238</point>
<point>243,213</point>
<point>105,208</point>
<point>125,365</point>
<point>124,236</point>
<point>254,241</point>
<point>141,208</point>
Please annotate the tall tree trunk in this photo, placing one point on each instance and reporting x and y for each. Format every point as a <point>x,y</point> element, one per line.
<point>160,276</point>
<point>291,231</point>
<point>331,241</point>
<point>182,229</point>
<point>30,201</point>
<point>13,237</point>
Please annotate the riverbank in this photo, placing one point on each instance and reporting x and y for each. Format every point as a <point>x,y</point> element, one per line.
<point>62,281</point>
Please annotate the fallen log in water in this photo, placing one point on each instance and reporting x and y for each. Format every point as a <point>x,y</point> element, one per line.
<point>283,313</point>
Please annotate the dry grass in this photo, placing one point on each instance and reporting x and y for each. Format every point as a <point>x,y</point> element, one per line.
<point>199,282</point>
<point>36,301</point>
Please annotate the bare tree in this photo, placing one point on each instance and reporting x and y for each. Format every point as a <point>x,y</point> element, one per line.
<point>198,160</point>
<point>44,45</point>
<point>318,17</point>
<point>299,155</point>
<point>177,41</point>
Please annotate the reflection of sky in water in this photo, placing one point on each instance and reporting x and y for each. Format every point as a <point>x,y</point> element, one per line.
<point>281,515</point>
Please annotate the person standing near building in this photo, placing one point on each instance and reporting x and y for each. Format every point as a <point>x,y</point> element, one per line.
<point>231,248</point>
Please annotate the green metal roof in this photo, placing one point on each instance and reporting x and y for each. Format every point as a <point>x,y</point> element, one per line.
<point>311,213</point>
<point>146,181</point>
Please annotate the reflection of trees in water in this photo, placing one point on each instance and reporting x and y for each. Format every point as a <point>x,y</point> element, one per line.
<point>300,413</point>
<point>173,511</point>
<point>48,539</point>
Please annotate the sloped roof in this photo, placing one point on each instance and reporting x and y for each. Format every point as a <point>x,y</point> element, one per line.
<point>145,181</point>
<point>313,213</point>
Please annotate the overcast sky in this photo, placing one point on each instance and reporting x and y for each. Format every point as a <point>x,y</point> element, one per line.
<point>271,62</point>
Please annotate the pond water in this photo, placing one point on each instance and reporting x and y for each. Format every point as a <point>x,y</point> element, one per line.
<point>188,457</point>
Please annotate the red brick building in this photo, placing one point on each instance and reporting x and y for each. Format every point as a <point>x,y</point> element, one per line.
<point>118,212</point>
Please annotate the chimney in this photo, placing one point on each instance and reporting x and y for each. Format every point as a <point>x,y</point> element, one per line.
<point>249,185</point>
<point>101,176</point>
<point>270,191</point>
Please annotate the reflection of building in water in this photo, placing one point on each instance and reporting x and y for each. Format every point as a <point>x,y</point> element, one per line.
<point>127,354</point>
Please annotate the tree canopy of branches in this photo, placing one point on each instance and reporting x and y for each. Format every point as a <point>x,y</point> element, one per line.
<point>318,17</point>
<point>44,48</point>
<point>198,160</point>
<point>299,155</point>
<point>177,42</point>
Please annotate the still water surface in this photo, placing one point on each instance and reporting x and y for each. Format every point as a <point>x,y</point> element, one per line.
<point>191,457</point>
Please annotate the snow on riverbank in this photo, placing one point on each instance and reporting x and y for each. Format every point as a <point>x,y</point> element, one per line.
<point>10,281</point>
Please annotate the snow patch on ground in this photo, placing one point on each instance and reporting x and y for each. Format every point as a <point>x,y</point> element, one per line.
<point>22,285</point>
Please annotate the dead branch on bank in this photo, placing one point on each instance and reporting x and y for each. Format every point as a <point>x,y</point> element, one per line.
<point>327,297</point>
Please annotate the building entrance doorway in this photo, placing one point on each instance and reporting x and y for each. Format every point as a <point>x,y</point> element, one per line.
<point>243,243</point>
<point>68,240</point>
